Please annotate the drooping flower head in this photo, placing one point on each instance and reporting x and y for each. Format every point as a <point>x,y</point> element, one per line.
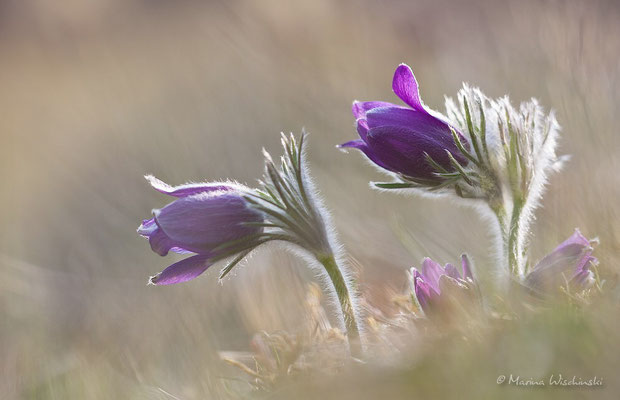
<point>401,139</point>
<point>433,285</point>
<point>483,150</point>
<point>570,264</point>
<point>204,217</point>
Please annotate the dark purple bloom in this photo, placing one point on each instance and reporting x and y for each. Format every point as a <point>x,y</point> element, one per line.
<point>396,137</point>
<point>203,217</point>
<point>430,282</point>
<point>569,264</point>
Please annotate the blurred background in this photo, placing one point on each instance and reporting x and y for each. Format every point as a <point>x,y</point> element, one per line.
<point>96,94</point>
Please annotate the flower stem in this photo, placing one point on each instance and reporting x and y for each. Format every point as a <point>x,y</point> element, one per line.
<point>344,294</point>
<point>515,258</point>
<point>511,239</point>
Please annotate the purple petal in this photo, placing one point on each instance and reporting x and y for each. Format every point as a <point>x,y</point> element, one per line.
<point>575,238</point>
<point>147,228</point>
<point>579,241</point>
<point>583,280</point>
<point>424,293</point>
<point>362,128</point>
<point>355,144</point>
<point>360,108</point>
<point>574,252</point>
<point>182,271</point>
<point>571,258</point>
<point>400,137</point>
<point>363,147</point>
<point>188,189</point>
<point>402,149</point>
<point>466,265</point>
<point>431,271</point>
<point>401,116</point>
<point>207,220</point>
<point>405,86</point>
<point>452,272</point>
<point>159,241</point>
<point>421,124</point>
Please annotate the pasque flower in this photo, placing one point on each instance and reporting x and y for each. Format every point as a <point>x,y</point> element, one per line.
<point>568,265</point>
<point>220,220</point>
<point>204,217</point>
<point>432,284</point>
<point>484,150</point>
<point>400,139</point>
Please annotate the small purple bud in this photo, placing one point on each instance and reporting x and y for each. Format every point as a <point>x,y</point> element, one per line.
<point>396,138</point>
<point>434,284</point>
<point>570,263</point>
<point>201,219</point>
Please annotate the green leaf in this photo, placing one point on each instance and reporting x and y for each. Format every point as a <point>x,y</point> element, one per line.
<point>232,263</point>
<point>446,183</point>
<point>470,128</point>
<point>461,148</point>
<point>434,164</point>
<point>396,185</point>
<point>459,167</point>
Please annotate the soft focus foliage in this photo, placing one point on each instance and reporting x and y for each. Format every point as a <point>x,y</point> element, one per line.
<point>96,94</point>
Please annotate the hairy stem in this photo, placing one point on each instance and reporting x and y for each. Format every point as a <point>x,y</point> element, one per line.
<point>511,256</point>
<point>515,258</point>
<point>347,306</point>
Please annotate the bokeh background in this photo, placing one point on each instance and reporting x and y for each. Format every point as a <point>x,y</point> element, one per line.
<point>96,94</point>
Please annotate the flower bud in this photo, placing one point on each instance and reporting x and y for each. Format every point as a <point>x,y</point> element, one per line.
<point>203,218</point>
<point>569,266</point>
<point>401,139</point>
<point>440,289</point>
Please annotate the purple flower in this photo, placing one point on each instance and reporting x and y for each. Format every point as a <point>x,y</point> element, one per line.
<point>433,281</point>
<point>570,263</point>
<point>204,217</point>
<point>396,137</point>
